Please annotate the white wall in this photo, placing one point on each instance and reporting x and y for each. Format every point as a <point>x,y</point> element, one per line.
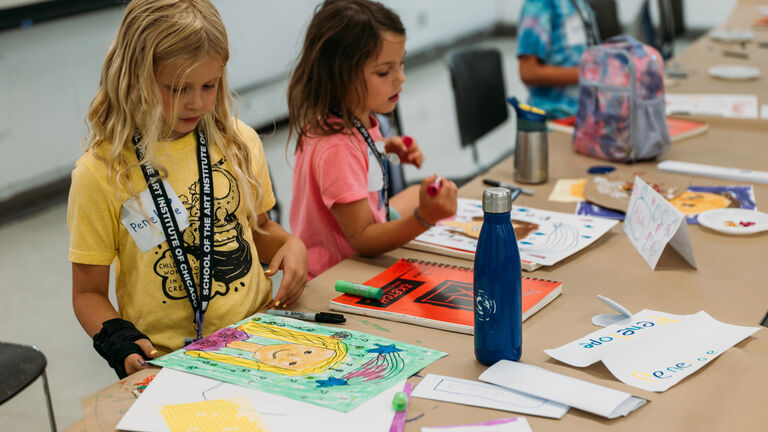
<point>49,71</point>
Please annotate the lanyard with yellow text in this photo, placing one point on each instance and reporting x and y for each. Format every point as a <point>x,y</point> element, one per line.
<point>175,237</point>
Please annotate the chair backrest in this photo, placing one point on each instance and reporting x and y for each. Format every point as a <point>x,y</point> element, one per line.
<point>607,18</point>
<point>389,124</point>
<point>478,88</point>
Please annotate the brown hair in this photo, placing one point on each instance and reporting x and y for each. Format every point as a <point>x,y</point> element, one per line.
<point>342,37</point>
<point>152,33</point>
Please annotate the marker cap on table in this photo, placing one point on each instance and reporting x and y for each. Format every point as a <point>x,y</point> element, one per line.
<point>358,289</point>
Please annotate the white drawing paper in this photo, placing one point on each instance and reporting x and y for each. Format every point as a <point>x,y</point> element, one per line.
<point>550,236</point>
<point>654,350</point>
<point>584,395</point>
<point>725,105</point>
<point>652,222</point>
<point>474,393</point>
<point>278,413</point>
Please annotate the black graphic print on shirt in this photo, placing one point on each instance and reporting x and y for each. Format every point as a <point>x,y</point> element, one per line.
<point>232,258</point>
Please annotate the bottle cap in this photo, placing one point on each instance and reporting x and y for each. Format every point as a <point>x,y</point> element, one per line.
<point>497,200</point>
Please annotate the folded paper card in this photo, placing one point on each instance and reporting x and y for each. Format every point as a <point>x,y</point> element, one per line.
<point>652,223</point>
<point>654,350</point>
<point>474,393</point>
<point>576,393</point>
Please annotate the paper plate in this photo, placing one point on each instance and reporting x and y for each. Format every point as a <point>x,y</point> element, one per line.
<point>732,35</point>
<point>734,72</point>
<point>735,221</point>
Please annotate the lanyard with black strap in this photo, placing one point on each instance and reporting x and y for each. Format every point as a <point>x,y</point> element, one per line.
<point>174,236</point>
<point>593,36</point>
<point>383,163</point>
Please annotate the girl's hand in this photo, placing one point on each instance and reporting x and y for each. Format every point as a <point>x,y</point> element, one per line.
<point>291,258</point>
<point>134,362</point>
<point>408,154</point>
<point>442,205</point>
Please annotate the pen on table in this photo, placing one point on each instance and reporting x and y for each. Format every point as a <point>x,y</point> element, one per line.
<point>322,317</point>
<point>434,188</point>
<point>401,408</point>
<point>509,186</point>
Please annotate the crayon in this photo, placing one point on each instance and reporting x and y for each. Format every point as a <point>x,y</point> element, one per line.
<point>358,289</point>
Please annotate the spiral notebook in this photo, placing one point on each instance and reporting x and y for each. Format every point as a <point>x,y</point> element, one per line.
<point>436,295</point>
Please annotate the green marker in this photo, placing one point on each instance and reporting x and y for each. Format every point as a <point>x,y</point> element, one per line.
<point>359,289</point>
<point>400,401</point>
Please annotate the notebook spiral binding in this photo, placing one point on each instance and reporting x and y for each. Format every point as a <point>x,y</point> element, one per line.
<point>461,268</point>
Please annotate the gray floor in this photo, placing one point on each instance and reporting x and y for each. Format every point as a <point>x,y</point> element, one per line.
<point>36,302</point>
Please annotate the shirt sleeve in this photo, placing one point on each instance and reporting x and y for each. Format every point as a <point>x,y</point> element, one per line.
<point>93,215</point>
<point>535,29</point>
<point>341,172</point>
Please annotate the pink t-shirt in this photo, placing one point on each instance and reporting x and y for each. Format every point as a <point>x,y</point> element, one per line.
<point>329,170</point>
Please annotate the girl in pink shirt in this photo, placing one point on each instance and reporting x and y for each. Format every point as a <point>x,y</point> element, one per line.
<point>351,67</point>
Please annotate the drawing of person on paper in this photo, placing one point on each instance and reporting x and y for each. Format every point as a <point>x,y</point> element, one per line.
<point>301,353</point>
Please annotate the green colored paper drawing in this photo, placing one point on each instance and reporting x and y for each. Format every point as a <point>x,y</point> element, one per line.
<point>333,368</point>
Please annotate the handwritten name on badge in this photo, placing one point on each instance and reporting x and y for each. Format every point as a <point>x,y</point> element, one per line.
<point>144,226</point>
<point>652,222</point>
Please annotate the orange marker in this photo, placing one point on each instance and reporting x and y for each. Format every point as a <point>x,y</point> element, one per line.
<point>434,188</point>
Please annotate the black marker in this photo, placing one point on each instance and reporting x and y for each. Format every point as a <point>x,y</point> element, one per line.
<point>323,317</point>
<point>509,186</point>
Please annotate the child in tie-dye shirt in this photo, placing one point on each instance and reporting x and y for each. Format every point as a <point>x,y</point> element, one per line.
<point>552,36</point>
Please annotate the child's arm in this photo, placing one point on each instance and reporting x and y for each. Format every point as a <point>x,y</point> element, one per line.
<point>285,252</point>
<point>90,300</point>
<point>370,239</point>
<point>534,72</point>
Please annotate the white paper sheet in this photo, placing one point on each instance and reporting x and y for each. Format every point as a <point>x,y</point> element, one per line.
<point>279,413</point>
<point>656,350</point>
<point>518,424</point>
<point>550,236</point>
<point>467,392</point>
<point>725,105</point>
<point>652,222</point>
<point>603,401</point>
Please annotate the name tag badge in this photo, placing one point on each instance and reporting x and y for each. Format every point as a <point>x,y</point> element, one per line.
<point>145,228</point>
<point>375,176</point>
<point>575,33</point>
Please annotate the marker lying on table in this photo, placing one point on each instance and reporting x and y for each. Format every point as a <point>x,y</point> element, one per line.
<point>434,188</point>
<point>509,186</point>
<point>322,317</point>
<point>358,289</point>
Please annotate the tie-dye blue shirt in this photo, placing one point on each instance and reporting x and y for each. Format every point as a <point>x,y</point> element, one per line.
<point>543,31</point>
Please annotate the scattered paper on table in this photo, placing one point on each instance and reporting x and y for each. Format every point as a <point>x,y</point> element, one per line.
<point>576,393</point>
<point>480,394</point>
<point>568,190</point>
<point>654,350</point>
<point>725,105</point>
<point>517,424</point>
<point>279,413</point>
<point>220,415</point>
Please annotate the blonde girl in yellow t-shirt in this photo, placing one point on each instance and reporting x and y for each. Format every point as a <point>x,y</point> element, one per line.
<point>174,192</point>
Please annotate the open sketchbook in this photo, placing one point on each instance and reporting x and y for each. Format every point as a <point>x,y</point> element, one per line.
<point>543,237</point>
<point>435,295</point>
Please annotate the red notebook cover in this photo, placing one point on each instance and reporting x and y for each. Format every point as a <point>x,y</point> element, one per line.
<point>435,295</point>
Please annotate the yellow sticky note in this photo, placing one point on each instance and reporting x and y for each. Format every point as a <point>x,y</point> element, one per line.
<point>220,415</point>
<point>568,190</point>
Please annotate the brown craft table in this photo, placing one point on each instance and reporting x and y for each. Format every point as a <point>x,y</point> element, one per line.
<point>730,393</point>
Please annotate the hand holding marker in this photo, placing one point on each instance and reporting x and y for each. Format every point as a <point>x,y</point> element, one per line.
<point>434,188</point>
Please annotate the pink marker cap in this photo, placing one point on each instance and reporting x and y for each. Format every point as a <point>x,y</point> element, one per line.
<point>408,141</point>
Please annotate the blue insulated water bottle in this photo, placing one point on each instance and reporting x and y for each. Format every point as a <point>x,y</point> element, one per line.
<point>498,283</point>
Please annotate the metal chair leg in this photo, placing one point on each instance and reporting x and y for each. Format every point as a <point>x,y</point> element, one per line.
<point>48,401</point>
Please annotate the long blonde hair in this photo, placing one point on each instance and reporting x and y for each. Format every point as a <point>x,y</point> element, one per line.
<point>153,33</point>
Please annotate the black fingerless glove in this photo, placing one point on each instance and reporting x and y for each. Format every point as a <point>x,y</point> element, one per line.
<point>115,341</point>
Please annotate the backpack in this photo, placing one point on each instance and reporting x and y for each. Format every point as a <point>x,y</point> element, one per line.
<point>621,113</point>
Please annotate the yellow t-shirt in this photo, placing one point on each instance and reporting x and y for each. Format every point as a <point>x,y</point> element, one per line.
<point>150,294</point>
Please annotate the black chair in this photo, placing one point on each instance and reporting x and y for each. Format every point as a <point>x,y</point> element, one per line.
<point>661,33</point>
<point>477,78</point>
<point>20,365</point>
<point>607,18</point>
<point>389,124</point>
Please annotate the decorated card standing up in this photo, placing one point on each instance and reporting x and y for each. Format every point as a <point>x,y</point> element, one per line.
<point>652,222</point>
<point>325,366</point>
